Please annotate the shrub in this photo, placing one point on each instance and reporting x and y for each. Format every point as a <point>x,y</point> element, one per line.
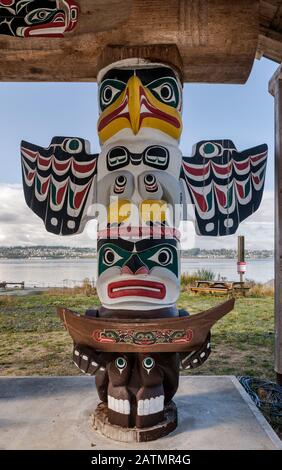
<point>205,275</point>
<point>87,288</point>
<point>261,290</point>
<point>7,300</point>
<point>188,280</point>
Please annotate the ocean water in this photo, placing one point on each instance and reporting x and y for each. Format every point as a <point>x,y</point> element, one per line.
<point>69,272</point>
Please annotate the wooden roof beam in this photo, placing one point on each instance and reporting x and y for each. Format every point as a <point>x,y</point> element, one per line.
<point>216,40</point>
<point>269,48</point>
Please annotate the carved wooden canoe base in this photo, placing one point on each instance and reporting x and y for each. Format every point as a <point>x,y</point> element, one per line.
<point>101,424</point>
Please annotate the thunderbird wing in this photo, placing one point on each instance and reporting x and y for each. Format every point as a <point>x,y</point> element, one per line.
<point>60,183</point>
<point>224,185</point>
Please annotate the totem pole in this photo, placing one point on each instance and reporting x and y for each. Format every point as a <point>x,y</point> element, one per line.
<point>137,340</point>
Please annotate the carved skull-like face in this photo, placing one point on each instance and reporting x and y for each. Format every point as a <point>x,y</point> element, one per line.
<point>137,387</point>
<point>142,274</point>
<point>141,175</point>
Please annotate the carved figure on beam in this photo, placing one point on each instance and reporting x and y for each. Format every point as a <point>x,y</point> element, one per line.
<point>38,18</point>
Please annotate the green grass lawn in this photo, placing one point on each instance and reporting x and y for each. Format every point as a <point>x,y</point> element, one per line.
<point>34,342</point>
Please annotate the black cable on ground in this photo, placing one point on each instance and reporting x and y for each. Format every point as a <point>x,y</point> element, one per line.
<point>266,395</point>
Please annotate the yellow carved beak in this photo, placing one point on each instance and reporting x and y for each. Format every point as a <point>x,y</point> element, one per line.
<point>136,108</point>
<point>134,86</point>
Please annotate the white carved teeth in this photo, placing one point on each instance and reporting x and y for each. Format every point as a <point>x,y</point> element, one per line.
<point>150,406</point>
<point>120,406</point>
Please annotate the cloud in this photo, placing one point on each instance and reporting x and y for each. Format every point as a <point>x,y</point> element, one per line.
<point>19,226</point>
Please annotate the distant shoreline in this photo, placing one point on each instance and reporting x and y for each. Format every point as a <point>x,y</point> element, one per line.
<point>58,271</point>
<point>47,252</point>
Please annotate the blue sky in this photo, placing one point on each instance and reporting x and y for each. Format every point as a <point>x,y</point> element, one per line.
<point>38,111</point>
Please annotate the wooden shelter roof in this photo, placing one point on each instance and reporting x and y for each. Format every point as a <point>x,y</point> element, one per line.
<point>207,40</point>
<point>270,34</point>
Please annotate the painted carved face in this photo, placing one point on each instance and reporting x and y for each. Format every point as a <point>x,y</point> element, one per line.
<point>140,98</point>
<point>139,175</point>
<point>142,274</point>
<point>28,18</point>
<point>145,338</point>
<point>139,385</point>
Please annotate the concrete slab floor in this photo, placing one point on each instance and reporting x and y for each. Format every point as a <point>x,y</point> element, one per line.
<point>54,413</point>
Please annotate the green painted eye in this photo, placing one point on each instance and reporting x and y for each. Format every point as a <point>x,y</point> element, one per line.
<point>209,150</point>
<point>72,145</point>
<point>39,16</point>
<point>111,257</point>
<point>177,335</point>
<point>110,90</point>
<point>148,363</point>
<point>164,257</point>
<point>121,363</point>
<point>110,335</point>
<point>166,90</point>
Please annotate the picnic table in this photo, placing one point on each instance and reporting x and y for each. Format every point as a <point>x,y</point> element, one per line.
<point>5,284</point>
<point>220,287</point>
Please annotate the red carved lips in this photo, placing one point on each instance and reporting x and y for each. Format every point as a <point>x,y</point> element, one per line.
<point>138,288</point>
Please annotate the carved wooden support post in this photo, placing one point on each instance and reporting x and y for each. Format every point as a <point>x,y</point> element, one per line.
<point>275,88</point>
<point>141,171</point>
